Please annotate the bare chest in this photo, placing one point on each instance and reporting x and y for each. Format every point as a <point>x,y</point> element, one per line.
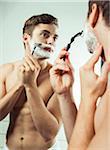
<point>44,87</point>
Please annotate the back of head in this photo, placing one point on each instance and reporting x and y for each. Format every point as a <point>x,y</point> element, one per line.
<point>35,20</point>
<point>104,6</point>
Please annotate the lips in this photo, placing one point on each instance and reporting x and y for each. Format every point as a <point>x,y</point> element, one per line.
<point>47,49</point>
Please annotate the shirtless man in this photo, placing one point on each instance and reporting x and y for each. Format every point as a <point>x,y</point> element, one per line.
<point>92,127</point>
<point>26,93</point>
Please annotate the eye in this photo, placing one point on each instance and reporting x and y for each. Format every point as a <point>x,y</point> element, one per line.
<point>55,38</point>
<point>45,34</point>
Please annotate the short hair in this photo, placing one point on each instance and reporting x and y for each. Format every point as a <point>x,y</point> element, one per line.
<point>104,5</point>
<point>33,21</point>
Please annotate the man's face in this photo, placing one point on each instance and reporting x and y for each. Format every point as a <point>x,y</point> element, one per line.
<point>46,35</point>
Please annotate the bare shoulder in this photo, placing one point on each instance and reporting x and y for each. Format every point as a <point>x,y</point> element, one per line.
<point>6,69</point>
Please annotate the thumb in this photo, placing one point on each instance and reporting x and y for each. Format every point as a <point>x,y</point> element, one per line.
<point>27,46</point>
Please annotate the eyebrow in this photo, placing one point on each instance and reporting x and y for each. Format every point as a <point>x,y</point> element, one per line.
<point>56,35</point>
<point>45,31</point>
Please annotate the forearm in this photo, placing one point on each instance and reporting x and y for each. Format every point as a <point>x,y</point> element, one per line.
<point>9,100</point>
<point>69,112</point>
<point>44,121</point>
<point>84,127</point>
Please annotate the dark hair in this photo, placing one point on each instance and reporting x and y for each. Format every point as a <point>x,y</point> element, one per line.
<point>35,20</point>
<point>104,5</point>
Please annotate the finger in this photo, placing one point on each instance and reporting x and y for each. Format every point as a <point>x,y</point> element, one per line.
<point>58,68</point>
<point>22,68</point>
<point>59,61</point>
<point>91,63</point>
<point>67,60</point>
<point>61,56</point>
<point>34,61</point>
<point>27,46</point>
<point>27,67</point>
<point>30,63</point>
<point>63,53</point>
<point>104,74</point>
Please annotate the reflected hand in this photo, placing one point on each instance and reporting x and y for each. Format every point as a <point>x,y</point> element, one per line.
<point>61,76</point>
<point>28,72</point>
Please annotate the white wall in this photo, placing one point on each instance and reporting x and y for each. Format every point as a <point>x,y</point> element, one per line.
<point>71,16</point>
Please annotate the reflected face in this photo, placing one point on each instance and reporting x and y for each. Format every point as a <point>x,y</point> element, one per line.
<point>45,34</point>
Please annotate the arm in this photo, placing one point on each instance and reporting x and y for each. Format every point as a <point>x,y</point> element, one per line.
<point>102,136</point>
<point>61,78</point>
<point>7,100</point>
<point>69,112</point>
<point>84,127</point>
<point>46,119</point>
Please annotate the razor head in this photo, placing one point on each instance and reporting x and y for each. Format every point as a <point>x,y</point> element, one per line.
<point>35,46</point>
<point>72,39</point>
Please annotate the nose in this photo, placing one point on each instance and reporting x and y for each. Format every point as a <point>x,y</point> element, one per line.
<point>50,40</point>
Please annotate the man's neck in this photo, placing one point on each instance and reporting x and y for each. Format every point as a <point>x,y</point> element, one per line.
<point>43,63</point>
<point>106,44</point>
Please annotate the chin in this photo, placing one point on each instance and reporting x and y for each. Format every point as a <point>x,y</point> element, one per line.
<point>42,58</point>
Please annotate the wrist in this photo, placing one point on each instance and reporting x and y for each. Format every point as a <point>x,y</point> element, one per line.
<point>89,96</point>
<point>30,85</point>
<point>89,101</point>
<point>19,84</point>
<point>87,108</point>
<point>66,95</point>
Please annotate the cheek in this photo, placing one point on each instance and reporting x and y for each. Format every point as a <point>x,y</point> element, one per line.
<point>40,40</point>
<point>36,38</point>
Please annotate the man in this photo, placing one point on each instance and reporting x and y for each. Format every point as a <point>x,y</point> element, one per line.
<point>25,90</point>
<point>92,127</point>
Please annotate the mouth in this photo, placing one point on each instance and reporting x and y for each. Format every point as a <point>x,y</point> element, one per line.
<point>47,49</point>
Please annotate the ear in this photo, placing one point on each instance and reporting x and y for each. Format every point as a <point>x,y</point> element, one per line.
<point>26,38</point>
<point>94,15</point>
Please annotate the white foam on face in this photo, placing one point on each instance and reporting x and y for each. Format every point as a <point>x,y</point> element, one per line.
<point>90,38</point>
<point>39,51</point>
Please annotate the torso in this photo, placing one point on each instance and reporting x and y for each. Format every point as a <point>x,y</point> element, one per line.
<point>22,134</point>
